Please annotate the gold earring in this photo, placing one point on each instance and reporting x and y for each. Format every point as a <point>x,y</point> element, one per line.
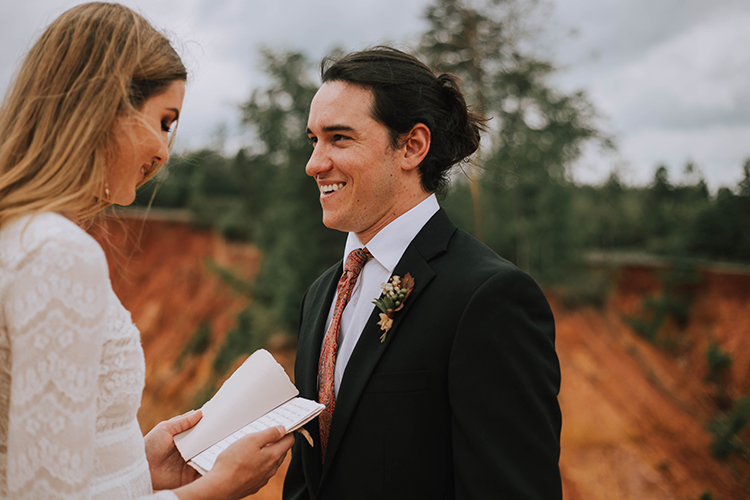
<point>106,191</point>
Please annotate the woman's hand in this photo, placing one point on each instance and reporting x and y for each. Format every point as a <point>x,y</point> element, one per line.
<point>243,468</point>
<point>251,461</point>
<point>168,469</point>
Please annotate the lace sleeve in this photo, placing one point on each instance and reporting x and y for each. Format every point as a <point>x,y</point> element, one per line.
<point>55,314</point>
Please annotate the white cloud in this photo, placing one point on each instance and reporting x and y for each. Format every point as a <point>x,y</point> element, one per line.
<point>718,151</point>
<point>699,76</point>
<point>671,79</point>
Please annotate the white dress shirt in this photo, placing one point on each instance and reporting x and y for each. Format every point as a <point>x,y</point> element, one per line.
<point>386,248</point>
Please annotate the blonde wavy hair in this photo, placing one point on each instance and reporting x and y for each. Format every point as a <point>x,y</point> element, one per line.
<point>94,64</point>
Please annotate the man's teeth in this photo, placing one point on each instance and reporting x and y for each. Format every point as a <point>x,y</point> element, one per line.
<point>329,188</point>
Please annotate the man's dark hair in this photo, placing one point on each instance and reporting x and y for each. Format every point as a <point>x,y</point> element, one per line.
<point>407,92</point>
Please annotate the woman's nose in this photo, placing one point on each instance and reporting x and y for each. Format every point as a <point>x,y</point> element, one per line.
<point>162,151</point>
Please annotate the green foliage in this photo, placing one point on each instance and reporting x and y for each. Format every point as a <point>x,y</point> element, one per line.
<point>722,229</point>
<point>520,200</point>
<point>222,193</point>
<point>172,186</point>
<point>270,199</point>
<point>524,207</point>
<point>199,341</point>
<point>666,207</point>
<point>196,344</point>
<point>584,288</point>
<point>248,335</point>
<point>471,41</point>
<point>719,361</point>
<point>252,328</point>
<point>261,195</point>
<point>296,245</point>
<point>611,213</point>
<point>229,277</point>
<point>673,302</point>
<point>657,218</point>
<point>706,495</point>
<point>725,430</point>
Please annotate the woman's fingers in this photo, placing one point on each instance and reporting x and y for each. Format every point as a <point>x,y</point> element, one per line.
<point>270,435</point>
<point>276,444</point>
<point>183,422</point>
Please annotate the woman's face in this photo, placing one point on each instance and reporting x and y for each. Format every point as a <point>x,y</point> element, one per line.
<point>140,140</point>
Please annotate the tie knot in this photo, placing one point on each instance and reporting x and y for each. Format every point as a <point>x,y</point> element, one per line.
<point>356,260</point>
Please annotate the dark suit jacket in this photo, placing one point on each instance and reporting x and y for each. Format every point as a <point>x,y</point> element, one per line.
<point>459,402</point>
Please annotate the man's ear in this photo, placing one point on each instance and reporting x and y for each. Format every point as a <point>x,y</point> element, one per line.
<point>416,144</point>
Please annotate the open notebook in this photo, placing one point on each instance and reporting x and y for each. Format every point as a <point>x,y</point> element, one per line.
<point>257,396</point>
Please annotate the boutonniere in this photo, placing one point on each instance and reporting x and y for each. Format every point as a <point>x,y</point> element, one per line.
<point>395,293</point>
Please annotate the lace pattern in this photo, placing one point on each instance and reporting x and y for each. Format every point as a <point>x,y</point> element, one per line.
<point>71,370</point>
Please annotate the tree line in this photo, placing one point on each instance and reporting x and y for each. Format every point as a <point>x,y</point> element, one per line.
<point>517,195</point>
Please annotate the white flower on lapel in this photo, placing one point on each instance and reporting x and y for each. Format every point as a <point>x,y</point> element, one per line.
<point>395,293</point>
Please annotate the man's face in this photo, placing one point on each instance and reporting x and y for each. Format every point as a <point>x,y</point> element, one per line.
<point>356,169</point>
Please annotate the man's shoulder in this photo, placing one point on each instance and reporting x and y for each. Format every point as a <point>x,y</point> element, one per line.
<point>472,254</point>
<point>324,279</point>
<point>333,270</point>
<point>470,265</point>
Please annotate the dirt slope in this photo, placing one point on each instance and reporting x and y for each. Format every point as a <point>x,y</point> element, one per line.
<point>634,415</point>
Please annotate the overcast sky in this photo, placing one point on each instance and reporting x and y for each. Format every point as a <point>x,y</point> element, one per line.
<point>670,79</point>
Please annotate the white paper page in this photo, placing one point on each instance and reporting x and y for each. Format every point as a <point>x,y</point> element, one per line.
<point>292,415</point>
<point>254,389</point>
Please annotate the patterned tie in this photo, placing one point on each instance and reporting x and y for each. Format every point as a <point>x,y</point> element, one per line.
<point>326,395</point>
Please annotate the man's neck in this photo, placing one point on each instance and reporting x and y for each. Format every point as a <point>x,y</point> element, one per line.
<point>388,245</point>
<point>369,233</point>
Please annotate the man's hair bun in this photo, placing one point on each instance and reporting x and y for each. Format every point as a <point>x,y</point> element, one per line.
<point>407,92</point>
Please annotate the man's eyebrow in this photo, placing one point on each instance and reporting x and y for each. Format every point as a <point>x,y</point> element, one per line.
<point>337,128</point>
<point>334,128</point>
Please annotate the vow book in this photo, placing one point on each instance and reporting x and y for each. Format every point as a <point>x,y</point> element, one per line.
<point>257,396</point>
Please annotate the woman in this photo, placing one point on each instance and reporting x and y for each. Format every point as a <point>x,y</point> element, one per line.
<point>86,122</point>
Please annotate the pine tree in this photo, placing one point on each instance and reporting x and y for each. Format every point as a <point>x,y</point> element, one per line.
<point>536,132</point>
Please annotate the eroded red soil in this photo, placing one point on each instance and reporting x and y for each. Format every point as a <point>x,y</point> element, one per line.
<point>634,414</point>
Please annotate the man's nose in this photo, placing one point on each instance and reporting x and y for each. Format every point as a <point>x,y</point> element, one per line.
<point>318,163</point>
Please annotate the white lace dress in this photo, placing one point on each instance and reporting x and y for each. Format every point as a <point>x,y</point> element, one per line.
<point>71,370</point>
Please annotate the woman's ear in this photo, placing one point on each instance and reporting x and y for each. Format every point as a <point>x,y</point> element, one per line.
<point>416,144</point>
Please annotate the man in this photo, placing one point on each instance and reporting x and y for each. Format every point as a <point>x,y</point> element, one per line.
<point>452,393</point>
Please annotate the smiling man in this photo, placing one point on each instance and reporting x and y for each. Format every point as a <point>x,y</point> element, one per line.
<point>448,389</point>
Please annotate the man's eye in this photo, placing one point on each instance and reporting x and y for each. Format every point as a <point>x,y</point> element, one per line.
<point>339,137</point>
<point>312,141</point>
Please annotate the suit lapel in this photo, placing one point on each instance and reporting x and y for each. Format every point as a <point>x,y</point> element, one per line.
<point>312,331</point>
<point>430,242</point>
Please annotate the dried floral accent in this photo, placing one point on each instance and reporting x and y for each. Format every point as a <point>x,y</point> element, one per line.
<point>395,293</point>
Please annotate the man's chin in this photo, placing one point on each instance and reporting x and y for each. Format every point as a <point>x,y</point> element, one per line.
<point>331,221</point>
<point>334,226</point>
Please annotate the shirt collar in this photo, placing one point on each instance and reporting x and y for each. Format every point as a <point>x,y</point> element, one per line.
<point>390,243</point>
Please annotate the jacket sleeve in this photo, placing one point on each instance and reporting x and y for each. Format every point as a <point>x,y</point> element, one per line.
<point>295,486</point>
<point>504,378</point>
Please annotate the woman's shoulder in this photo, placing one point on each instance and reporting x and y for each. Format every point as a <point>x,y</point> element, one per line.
<point>48,232</point>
